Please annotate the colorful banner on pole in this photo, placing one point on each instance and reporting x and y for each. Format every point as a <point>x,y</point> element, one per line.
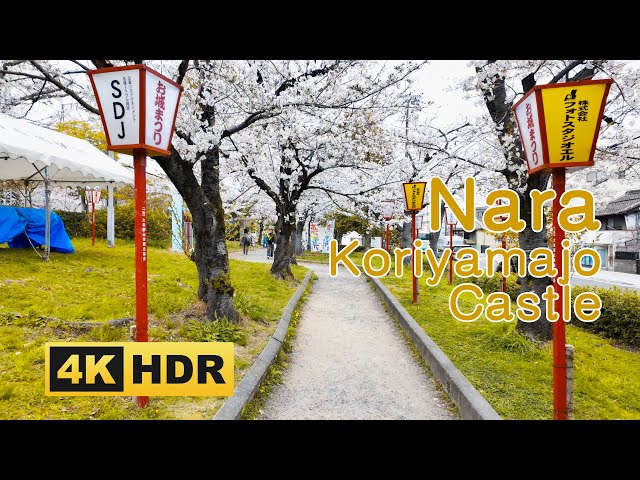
<point>328,236</point>
<point>313,237</point>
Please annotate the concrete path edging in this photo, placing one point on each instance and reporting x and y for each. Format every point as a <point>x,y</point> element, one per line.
<point>248,386</point>
<point>470,403</point>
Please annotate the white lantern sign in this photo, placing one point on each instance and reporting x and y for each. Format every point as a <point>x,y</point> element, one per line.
<point>387,209</point>
<point>138,107</point>
<point>92,195</point>
<point>118,95</point>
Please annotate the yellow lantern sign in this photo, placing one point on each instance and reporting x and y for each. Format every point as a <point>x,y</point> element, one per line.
<point>559,123</point>
<point>414,195</point>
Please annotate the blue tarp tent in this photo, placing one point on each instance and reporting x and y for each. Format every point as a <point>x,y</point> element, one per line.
<point>32,154</point>
<point>23,227</point>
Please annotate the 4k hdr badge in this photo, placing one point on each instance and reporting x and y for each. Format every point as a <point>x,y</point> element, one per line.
<point>139,368</point>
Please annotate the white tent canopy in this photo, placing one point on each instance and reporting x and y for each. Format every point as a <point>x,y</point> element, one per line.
<point>30,153</point>
<point>69,160</point>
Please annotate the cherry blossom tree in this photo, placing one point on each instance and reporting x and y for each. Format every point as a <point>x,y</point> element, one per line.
<point>498,85</point>
<point>328,135</point>
<point>217,104</point>
<point>426,148</point>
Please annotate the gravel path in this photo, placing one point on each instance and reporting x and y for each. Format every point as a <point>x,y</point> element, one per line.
<point>349,359</point>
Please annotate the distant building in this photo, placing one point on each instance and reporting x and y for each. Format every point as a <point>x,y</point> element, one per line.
<point>479,238</point>
<point>376,242</point>
<point>617,241</point>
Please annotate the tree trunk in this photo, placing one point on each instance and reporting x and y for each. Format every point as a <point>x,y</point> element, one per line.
<point>435,236</point>
<point>210,250</point>
<point>541,329</point>
<point>298,243</point>
<point>295,242</point>
<point>405,235</point>
<point>261,229</point>
<point>366,241</point>
<point>281,267</point>
<point>405,240</point>
<point>495,96</point>
<point>433,241</point>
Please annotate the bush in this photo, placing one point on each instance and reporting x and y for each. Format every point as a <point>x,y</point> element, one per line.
<point>219,331</point>
<point>494,284</point>
<point>78,224</point>
<point>232,231</point>
<point>619,317</point>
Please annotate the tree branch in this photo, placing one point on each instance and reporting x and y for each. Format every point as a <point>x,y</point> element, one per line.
<point>254,117</point>
<point>84,67</point>
<point>183,136</point>
<point>23,74</point>
<point>348,195</point>
<point>182,71</point>
<point>313,73</point>
<point>65,89</point>
<point>102,63</point>
<point>262,184</point>
<point>558,76</point>
<point>44,94</point>
<point>584,74</point>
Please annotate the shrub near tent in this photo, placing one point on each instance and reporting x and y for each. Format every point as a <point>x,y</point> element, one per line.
<point>78,224</point>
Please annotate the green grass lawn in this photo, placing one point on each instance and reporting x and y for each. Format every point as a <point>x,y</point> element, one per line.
<point>38,301</point>
<point>233,246</point>
<point>514,374</point>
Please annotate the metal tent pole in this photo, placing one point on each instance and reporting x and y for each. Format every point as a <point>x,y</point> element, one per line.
<point>111,237</point>
<point>47,220</point>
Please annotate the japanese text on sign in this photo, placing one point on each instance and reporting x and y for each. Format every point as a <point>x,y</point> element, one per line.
<point>144,234</point>
<point>129,95</point>
<point>532,135</point>
<point>571,112</point>
<point>159,104</point>
<point>414,195</point>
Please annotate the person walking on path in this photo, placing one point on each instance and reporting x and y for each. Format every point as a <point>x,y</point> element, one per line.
<point>246,241</point>
<point>270,243</point>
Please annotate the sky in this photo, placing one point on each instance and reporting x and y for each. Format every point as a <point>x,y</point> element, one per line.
<point>434,82</point>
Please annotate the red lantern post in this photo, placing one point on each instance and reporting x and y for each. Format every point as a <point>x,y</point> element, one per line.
<point>138,107</point>
<point>559,351</point>
<point>387,214</point>
<point>92,196</point>
<point>413,256</point>
<point>413,197</point>
<point>559,126</point>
